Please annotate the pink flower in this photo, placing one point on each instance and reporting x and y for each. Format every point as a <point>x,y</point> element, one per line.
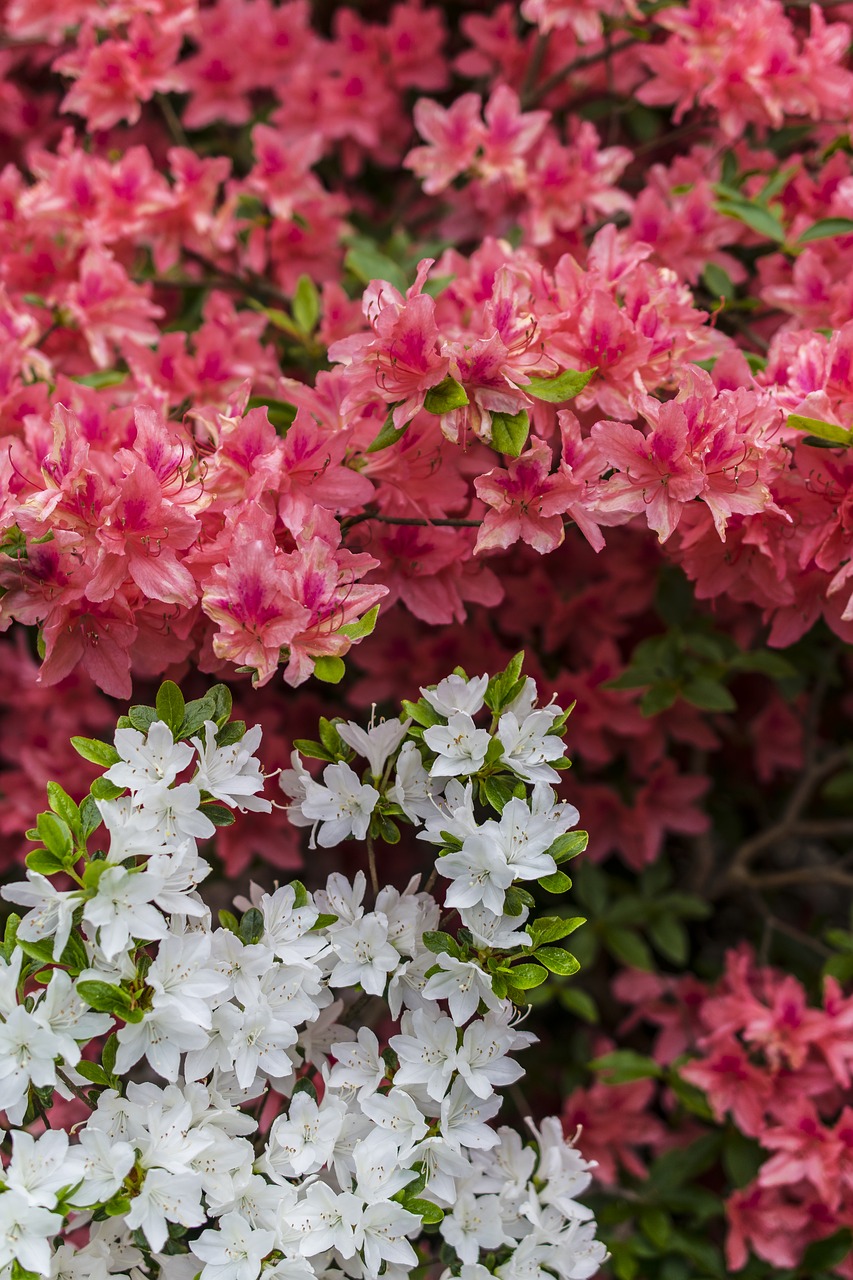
<point>526,502</point>
<point>453,135</point>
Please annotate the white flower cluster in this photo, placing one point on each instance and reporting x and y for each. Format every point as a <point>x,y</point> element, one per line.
<point>380,1158</point>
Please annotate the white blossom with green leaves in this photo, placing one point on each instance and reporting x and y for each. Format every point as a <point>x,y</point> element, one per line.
<point>384,1158</point>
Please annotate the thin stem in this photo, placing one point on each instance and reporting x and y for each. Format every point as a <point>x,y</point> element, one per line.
<point>534,66</point>
<point>371,864</point>
<point>578,64</point>
<point>173,120</point>
<point>441,521</point>
<point>78,1093</point>
<point>252,288</point>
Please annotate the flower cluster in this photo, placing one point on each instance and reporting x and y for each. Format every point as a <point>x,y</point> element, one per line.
<point>374,1145</point>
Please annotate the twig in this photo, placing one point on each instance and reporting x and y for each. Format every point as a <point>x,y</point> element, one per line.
<point>371,864</point>
<point>252,288</point>
<point>798,875</point>
<point>441,521</point>
<point>78,1093</point>
<point>173,120</point>
<point>578,64</point>
<point>534,66</point>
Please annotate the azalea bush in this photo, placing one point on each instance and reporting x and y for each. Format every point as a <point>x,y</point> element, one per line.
<point>350,351</point>
<point>374,1146</point>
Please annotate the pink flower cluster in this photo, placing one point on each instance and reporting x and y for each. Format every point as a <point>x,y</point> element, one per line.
<point>779,1068</point>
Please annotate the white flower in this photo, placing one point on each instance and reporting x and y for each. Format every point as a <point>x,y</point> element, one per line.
<point>294,784</point>
<point>132,833</point>
<point>359,1066</point>
<point>231,774</point>
<point>259,1044</point>
<point>105,1165</point>
<point>412,788</point>
<point>365,955</point>
<point>460,747</point>
<point>148,760</point>
<point>463,985</point>
<point>454,814</point>
<point>474,1224</point>
<point>176,810</point>
<point>51,912</point>
<point>378,1175</point>
<point>41,1167</point>
<point>343,805</point>
<point>68,1017</point>
<point>233,1252</point>
<point>288,928</point>
<point>427,1052</point>
<point>482,1057</point>
<point>479,873</point>
<point>24,1232</point>
<point>165,1197</point>
<point>397,1112</point>
<point>375,744</point>
<point>455,693</point>
<point>182,977</point>
<point>341,898</point>
<point>464,1116</point>
<point>161,1037</point>
<point>302,1141</point>
<point>27,1054</point>
<point>325,1220</point>
<point>527,746</point>
<point>121,909</point>
<point>497,932</point>
<point>380,1232</point>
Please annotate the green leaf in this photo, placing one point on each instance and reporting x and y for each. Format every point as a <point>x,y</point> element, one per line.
<point>429,1213</point>
<point>44,862</point>
<point>691,1098</point>
<point>436,941</point>
<point>755,216</point>
<point>93,1073</point>
<point>62,804</point>
<point>825,228</point>
<point>624,1065</point>
<point>558,882</point>
<point>708,694</point>
<point>565,386</point>
<point>195,714</point>
<point>367,262</point>
<point>101,378</point>
<point>228,920</point>
<point>312,750</point>
<point>817,427</point>
<point>445,397</point>
<point>497,791</point>
<point>627,946</point>
<point>823,1255</point>
<point>104,997</point>
<point>280,412</point>
<point>101,789</point>
<point>108,1056</point>
<point>718,282</point>
<point>578,1002</point>
<point>659,698</point>
<point>552,928</point>
<point>421,712</point>
<point>669,936</point>
<point>364,626</point>
<point>252,927</point>
<point>568,846</point>
<point>141,717</point>
<point>95,751</point>
<point>682,1164</point>
<point>219,815</point>
<point>330,670</point>
<point>170,706</point>
<point>306,304</point>
<point>656,1225</point>
<point>557,960</point>
<point>388,435</point>
<point>510,432</point>
<point>527,976</point>
<point>230,733</point>
<point>55,836</point>
<point>742,1158</point>
<point>220,696</point>
<point>300,894</point>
